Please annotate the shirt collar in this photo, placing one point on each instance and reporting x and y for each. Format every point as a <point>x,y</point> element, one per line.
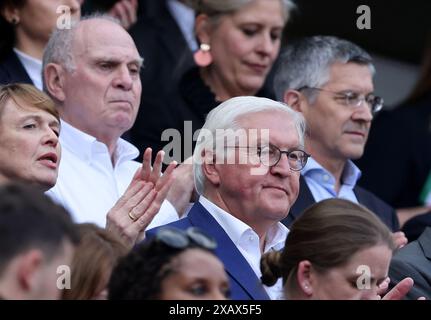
<point>236,229</point>
<point>350,176</point>
<point>86,146</point>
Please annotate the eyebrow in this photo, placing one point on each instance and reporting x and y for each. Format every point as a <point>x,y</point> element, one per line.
<point>139,61</point>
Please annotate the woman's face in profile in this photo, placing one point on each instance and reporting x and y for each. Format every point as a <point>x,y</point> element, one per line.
<point>357,280</point>
<point>245,44</point>
<point>197,275</point>
<point>29,146</point>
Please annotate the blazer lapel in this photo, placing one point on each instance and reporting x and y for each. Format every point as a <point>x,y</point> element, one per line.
<point>235,263</point>
<point>304,200</point>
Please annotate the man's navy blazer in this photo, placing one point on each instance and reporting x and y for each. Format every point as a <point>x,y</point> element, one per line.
<point>305,199</point>
<point>245,285</point>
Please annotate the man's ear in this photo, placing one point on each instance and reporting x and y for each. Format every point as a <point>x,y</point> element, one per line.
<point>29,268</point>
<point>304,278</point>
<point>9,13</point>
<point>209,167</point>
<point>202,28</point>
<point>54,80</point>
<point>294,99</point>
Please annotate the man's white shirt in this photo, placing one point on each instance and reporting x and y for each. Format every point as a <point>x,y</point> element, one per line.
<point>88,185</point>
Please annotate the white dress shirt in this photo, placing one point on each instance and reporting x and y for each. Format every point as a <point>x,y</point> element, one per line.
<point>247,241</point>
<point>88,185</point>
<point>32,66</point>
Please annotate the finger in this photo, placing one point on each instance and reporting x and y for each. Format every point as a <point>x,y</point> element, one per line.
<point>123,218</point>
<point>154,207</point>
<point>146,165</point>
<point>115,218</point>
<point>139,196</point>
<point>383,286</point>
<point>157,167</point>
<point>130,12</point>
<point>400,290</point>
<point>119,12</point>
<point>139,209</point>
<point>169,172</point>
<point>137,176</point>
<point>131,191</point>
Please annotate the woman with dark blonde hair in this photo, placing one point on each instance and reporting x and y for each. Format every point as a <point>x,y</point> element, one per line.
<point>29,129</point>
<point>95,257</point>
<point>336,250</point>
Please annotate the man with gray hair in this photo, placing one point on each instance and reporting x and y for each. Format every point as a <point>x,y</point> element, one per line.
<point>246,165</point>
<point>330,81</point>
<point>92,72</point>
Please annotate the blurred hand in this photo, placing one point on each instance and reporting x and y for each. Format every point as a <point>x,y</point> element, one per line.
<point>126,12</point>
<point>135,210</point>
<point>400,239</point>
<point>183,187</point>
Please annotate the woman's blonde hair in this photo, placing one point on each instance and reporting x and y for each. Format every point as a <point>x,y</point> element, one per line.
<point>94,259</point>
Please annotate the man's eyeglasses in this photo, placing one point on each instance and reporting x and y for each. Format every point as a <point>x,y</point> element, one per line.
<point>181,239</point>
<point>270,155</point>
<point>354,99</point>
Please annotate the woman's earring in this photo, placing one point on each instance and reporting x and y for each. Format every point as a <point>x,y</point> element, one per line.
<point>203,56</point>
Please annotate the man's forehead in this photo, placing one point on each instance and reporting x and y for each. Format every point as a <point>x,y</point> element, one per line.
<point>272,126</point>
<point>92,36</point>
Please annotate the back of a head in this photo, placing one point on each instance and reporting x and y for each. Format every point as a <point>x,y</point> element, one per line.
<point>306,62</point>
<point>28,220</point>
<point>96,255</point>
<point>327,234</point>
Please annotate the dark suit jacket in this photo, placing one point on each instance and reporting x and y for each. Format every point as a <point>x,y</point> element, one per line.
<point>414,260</point>
<point>414,227</point>
<point>366,198</point>
<point>166,57</point>
<point>12,70</point>
<point>245,285</point>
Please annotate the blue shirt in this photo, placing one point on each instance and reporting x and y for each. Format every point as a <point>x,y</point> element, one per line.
<point>322,183</point>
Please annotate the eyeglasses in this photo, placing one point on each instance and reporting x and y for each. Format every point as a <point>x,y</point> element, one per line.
<point>270,155</point>
<point>354,99</point>
<point>181,239</point>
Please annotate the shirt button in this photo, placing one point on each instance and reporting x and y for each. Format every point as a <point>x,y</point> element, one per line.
<point>325,178</point>
<point>250,238</point>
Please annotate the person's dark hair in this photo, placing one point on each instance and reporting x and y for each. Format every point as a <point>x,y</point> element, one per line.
<point>139,275</point>
<point>327,234</point>
<point>29,219</point>
<point>96,255</point>
<point>7,40</point>
<point>423,85</point>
